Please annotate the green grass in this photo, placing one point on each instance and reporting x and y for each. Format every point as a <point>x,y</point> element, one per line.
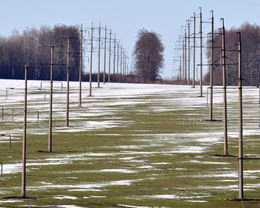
<point>151,139</point>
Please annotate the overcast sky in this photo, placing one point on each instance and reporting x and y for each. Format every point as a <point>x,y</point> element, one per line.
<point>127,17</point>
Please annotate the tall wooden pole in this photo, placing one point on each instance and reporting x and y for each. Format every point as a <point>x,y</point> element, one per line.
<point>121,59</point>
<point>80,65</point>
<point>211,68</point>
<point>188,79</point>
<point>68,82</point>
<point>194,49</point>
<point>99,34</point>
<point>114,65</point>
<point>109,63</point>
<point>105,52</point>
<point>180,69</point>
<point>117,57</point>
<point>125,64</point>
<point>201,89</point>
<point>185,55</point>
<point>183,60</point>
<point>90,67</point>
<point>51,97</point>
<point>240,144</point>
<point>224,89</point>
<point>24,135</point>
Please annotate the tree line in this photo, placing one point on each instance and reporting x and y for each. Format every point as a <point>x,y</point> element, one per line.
<point>32,47</point>
<point>250,38</point>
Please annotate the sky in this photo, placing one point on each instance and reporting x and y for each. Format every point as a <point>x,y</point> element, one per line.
<point>127,17</point>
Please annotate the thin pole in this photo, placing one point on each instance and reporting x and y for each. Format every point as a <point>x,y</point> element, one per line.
<point>114,66</point>
<point>109,63</point>
<point>180,68</point>
<point>183,59</point>
<point>194,49</point>
<point>80,65</point>
<point>211,69</point>
<point>201,90</point>
<point>104,73</point>
<point>188,80</point>
<point>185,55</point>
<point>117,57</point>
<point>68,82</point>
<point>123,63</point>
<point>90,68</point>
<point>125,72</point>
<point>224,89</point>
<point>121,59</point>
<point>24,135</point>
<point>99,34</point>
<point>51,96</point>
<point>240,154</point>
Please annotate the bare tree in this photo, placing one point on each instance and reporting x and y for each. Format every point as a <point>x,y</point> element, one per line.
<point>148,55</point>
<point>250,35</point>
<point>32,45</point>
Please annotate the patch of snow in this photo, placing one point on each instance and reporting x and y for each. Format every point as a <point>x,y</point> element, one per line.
<point>65,197</point>
<point>118,170</point>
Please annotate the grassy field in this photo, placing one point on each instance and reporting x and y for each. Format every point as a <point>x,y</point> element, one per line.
<point>129,145</point>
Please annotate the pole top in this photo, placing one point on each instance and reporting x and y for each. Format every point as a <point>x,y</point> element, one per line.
<point>239,36</point>
<point>222,19</point>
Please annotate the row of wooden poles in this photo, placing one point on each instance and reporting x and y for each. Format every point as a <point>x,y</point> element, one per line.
<point>240,156</point>
<point>185,74</point>
<point>185,59</point>
<point>122,64</point>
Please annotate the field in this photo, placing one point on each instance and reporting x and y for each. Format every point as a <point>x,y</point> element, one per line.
<point>129,145</point>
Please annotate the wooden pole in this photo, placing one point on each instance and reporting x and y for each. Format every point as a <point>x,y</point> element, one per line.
<point>188,79</point>
<point>183,59</point>
<point>121,59</point>
<point>105,52</point>
<point>68,82</point>
<point>125,71</point>
<point>99,34</point>
<point>80,64</point>
<point>51,96</point>
<point>117,57</point>
<point>24,135</point>
<point>194,49</point>
<point>224,90</point>
<point>180,69</point>
<point>90,68</point>
<point>211,69</point>
<point>109,63</point>
<point>114,65</point>
<point>201,88</point>
<point>185,55</point>
<point>240,144</point>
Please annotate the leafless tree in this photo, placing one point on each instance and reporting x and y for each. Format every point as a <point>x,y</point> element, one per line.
<point>148,55</point>
<point>250,35</point>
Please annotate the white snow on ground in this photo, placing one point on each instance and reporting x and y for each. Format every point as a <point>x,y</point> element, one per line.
<point>102,112</point>
<point>83,187</point>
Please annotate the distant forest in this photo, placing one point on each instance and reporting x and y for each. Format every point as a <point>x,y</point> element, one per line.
<point>33,47</point>
<point>250,35</point>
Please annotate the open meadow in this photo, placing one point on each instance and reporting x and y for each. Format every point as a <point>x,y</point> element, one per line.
<point>129,145</point>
